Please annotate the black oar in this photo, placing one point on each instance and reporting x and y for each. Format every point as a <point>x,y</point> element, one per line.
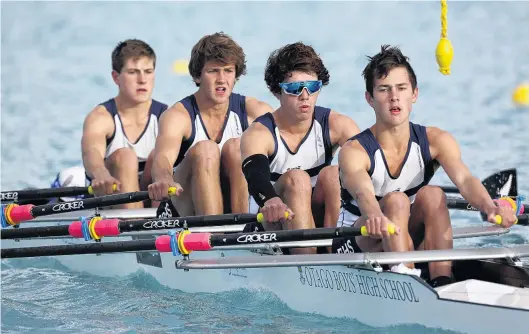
<point>13,214</point>
<point>113,227</point>
<point>28,194</point>
<point>184,242</point>
<point>502,183</point>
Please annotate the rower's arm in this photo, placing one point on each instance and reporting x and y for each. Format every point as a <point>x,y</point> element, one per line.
<point>256,108</point>
<point>342,128</point>
<point>257,144</point>
<point>174,126</point>
<point>97,127</point>
<point>444,148</point>
<point>354,164</point>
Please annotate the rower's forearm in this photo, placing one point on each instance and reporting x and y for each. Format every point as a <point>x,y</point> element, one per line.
<point>475,193</point>
<point>94,164</point>
<point>162,169</point>
<point>367,203</point>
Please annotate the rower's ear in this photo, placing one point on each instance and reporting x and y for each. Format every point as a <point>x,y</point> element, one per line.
<point>115,76</point>
<point>369,99</point>
<point>415,94</point>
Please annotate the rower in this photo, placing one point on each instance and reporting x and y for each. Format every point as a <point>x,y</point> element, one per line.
<point>199,141</point>
<point>285,151</point>
<point>119,134</point>
<point>385,171</point>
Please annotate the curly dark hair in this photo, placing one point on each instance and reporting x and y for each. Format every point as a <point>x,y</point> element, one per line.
<point>219,47</point>
<point>293,57</point>
<point>130,48</point>
<point>380,64</point>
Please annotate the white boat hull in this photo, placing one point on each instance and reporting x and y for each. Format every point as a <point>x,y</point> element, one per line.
<point>377,299</point>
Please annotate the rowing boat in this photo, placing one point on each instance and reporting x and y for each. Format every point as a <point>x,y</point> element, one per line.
<point>492,283</point>
<point>491,292</point>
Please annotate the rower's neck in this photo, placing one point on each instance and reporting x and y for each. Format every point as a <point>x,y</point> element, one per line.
<point>210,108</point>
<point>289,124</point>
<point>395,138</point>
<point>126,107</point>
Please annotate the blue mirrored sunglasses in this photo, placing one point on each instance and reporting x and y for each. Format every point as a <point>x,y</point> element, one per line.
<point>296,88</point>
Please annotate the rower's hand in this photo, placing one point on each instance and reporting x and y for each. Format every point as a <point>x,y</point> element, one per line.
<point>159,190</point>
<point>274,211</point>
<point>103,184</point>
<point>507,214</point>
<point>377,227</point>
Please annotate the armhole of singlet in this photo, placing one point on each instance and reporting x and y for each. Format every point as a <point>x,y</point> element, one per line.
<point>111,108</point>
<point>420,137</point>
<point>189,104</point>
<point>268,121</point>
<point>321,115</point>
<point>238,106</point>
<point>370,145</point>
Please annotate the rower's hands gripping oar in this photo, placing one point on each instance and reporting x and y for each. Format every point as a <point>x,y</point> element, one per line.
<point>104,184</point>
<point>379,227</point>
<point>162,189</point>
<point>505,212</point>
<point>274,210</point>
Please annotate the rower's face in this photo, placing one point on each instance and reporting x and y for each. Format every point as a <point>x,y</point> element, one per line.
<point>393,97</point>
<point>136,80</point>
<point>302,106</point>
<point>217,81</point>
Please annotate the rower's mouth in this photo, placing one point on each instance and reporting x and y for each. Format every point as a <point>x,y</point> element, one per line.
<point>141,90</point>
<point>395,110</point>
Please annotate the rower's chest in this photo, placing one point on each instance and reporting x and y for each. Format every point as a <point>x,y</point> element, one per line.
<point>133,128</point>
<point>214,126</point>
<point>395,161</point>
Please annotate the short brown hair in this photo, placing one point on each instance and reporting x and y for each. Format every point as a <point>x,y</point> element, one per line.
<point>380,64</point>
<point>130,49</point>
<point>290,58</point>
<point>218,47</point>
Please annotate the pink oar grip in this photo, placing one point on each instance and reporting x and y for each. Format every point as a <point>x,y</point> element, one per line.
<point>21,213</point>
<point>107,227</point>
<point>197,241</point>
<point>75,229</point>
<point>163,244</point>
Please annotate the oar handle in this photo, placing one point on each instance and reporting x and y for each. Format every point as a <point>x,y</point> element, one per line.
<point>91,189</point>
<point>260,217</point>
<point>391,230</point>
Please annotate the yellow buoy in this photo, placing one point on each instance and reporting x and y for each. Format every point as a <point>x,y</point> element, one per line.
<point>444,51</point>
<point>180,67</point>
<point>520,96</point>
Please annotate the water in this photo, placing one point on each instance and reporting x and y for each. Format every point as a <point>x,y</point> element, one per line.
<point>56,67</point>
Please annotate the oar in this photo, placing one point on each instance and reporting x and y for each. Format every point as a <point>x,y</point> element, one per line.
<point>13,214</point>
<point>29,194</point>
<point>114,227</point>
<point>501,183</point>
<point>186,242</point>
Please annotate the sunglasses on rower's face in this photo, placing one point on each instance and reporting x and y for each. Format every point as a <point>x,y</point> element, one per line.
<point>296,88</point>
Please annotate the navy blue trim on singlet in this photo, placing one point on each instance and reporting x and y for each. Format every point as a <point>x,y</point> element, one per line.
<point>156,109</point>
<point>237,105</point>
<point>321,115</point>
<point>268,121</point>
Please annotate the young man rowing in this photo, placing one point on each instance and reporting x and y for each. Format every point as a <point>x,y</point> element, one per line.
<point>119,134</point>
<point>200,134</point>
<point>385,171</point>
<point>285,151</point>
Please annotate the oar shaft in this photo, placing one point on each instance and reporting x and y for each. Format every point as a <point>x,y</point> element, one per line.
<point>91,248</point>
<point>282,236</point>
<point>461,204</point>
<point>27,212</point>
<point>14,195</point>
<point>113,227</point>
<point>450,190</point>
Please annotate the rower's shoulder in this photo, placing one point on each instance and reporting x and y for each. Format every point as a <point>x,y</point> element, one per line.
<point>98,114</point>
<point>435,134</point>
<point>255,107</point>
